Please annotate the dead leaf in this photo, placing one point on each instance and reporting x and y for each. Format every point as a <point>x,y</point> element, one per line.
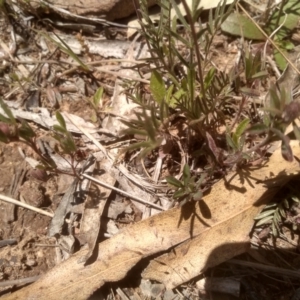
<point>44,119</point>
<point>229,205</point>
<point>120,104</point>
<point>223,240</point>
<point>70,199</point>
<point>94,206</point>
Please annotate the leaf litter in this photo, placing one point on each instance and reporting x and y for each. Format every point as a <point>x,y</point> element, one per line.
<point>212,227</point>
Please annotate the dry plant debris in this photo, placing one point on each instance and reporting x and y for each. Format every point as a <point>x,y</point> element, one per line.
<point>171,141</point>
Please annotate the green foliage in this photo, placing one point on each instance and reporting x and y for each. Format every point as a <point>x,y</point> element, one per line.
<point>97,97</point>
<point>10,118</point>
<point>253,66</point>
<point>63,136</point>
<point>157,87</point>
<point>279,114</point>
<point>282,21</point>
<point>148,127</point>
<point>26,132</point>
<point>96,101</point>
<point>287,15</point>
<point>65,48</point>
<point>274,214</point>
<point>188,188</point>
<point>237,139</point>
<point>239,25</point>
<point>19,130</point>
<point>201,96</point>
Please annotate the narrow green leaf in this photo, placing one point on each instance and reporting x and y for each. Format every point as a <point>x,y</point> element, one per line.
<point>4,119</point>
<point>271,205</point>
<point>277,218</point>
<point>61,120</point>
<point>235,139</point>
<point>59,129</point>
<point>258,129</point>
<point>180,38</point>
<point>68,144</point>
<point>275,102</point>
<point>186,174</point>
<point>25,131</point>
<point>157,87</point>
<point>287,21</point>
<point>274,230</point>
<point>94,117</point>
<point>282,213</point>
<point>209,78</point>
<point>230,142</point>
<point>260,75</point>
<point>98,96</point>
<point>65,48</point>
<point>241,128</point>
<point>264,221</point>
<point>3,137</point>
<point>180,193</point>
<point>173,181</point>
<point>295,199</point>
<point>7,111</point>
<point>286,204</point>
<point>264,214</point>
<point>180,16</point>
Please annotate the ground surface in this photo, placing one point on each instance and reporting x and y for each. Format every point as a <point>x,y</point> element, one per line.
<point>33,252</point>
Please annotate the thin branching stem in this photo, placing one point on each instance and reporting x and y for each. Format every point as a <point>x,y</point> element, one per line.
<point>197,51</point>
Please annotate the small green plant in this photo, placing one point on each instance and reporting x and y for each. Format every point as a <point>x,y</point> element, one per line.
<point>181,85</point>
<point>253,66</point>
<point>65,48</point>
<point>148,127</point>
<point>279,114</point>
<point>279,23</point>
<point>188,188</point>
<point>189,95</point>
<point>95,102</point>
<point>18,130</point>
<point>275,213</point>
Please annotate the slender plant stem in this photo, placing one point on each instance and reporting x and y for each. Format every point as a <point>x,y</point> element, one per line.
<point>197,51</point>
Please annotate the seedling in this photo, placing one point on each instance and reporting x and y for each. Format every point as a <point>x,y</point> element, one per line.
<point>18,130</point>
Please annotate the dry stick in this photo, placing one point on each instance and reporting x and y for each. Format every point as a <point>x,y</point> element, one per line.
<point>122,192</point>
<point>117,74</point>
<point>272,34</point>
<point>16,202</point>
<point>19,281</point>
<point>92,63</point>
<point>86,133</point>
